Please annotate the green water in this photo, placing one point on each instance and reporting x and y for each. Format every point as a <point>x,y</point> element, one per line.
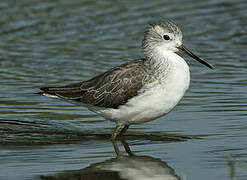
<point>45,43</point>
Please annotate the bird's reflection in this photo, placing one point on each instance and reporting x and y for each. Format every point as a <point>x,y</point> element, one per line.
<point>122,167</point>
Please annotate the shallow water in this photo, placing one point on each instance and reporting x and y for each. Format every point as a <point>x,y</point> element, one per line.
<point>59,42</point>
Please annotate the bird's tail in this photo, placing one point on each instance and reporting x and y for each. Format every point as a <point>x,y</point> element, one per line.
<point>71,92</point>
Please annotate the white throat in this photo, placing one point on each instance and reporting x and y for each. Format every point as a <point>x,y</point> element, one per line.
<point>163,62</point>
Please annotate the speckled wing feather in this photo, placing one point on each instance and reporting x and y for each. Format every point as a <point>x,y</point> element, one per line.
<point>110,89</point>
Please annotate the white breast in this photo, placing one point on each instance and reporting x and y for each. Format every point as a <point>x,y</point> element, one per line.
<point>158,98</point>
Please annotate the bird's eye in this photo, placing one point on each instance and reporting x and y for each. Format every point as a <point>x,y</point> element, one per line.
<point>166,37</point>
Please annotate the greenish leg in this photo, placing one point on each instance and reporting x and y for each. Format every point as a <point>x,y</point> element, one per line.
<point>123,131</point>
<point>114,143</point>
<point>115,132</point>
<point>127,148</point>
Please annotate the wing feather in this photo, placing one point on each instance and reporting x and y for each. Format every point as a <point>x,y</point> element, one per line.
<point>110,89</point>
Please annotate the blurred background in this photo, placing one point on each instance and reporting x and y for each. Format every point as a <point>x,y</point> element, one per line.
<point>57,42</point>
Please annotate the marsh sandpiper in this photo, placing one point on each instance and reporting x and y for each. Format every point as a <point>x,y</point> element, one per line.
<point>140,90</point>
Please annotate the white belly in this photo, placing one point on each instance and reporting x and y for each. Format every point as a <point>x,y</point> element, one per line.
<point>157,100</point>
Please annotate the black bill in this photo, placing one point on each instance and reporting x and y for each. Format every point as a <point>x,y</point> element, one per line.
<point>186,51</point>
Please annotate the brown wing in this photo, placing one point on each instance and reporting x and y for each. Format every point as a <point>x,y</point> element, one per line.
<point>110,89</point>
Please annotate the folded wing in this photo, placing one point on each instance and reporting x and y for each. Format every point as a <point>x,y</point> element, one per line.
<point>110,89</point>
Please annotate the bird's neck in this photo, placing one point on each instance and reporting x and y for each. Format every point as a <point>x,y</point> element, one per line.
<point>160,62</point>
<point>158,59</point>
